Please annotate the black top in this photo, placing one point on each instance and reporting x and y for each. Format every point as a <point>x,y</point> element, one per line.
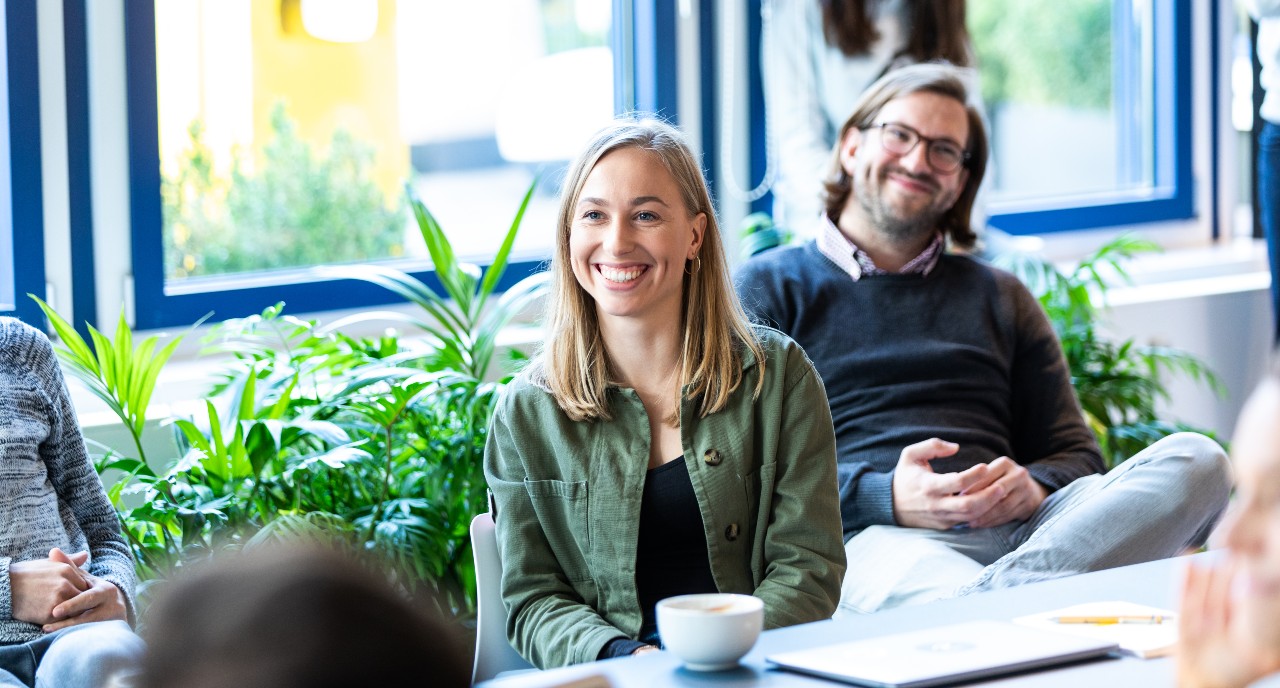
<point>964,353</point>
<point>671,556</point>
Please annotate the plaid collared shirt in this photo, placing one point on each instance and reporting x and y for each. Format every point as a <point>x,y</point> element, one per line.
<point>854,261</point>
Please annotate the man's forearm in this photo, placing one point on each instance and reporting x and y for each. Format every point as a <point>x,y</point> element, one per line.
<point>866,497</point>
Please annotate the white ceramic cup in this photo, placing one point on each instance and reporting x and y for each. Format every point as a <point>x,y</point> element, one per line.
<point>710,632</point>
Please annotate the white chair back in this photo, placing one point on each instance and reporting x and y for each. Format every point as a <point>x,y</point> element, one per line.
<point>494,654</point>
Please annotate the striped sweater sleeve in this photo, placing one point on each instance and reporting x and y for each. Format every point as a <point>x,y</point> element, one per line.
<point>76,482</point>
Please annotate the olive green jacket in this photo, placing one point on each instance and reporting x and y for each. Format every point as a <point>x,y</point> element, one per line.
<point>568,505</point>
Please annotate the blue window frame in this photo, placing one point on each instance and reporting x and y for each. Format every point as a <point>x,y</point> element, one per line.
<point>1169,197</point>
<point>21,197</point>
<point>651,76</point>
<point>161,304</point>
<point>84,302</point>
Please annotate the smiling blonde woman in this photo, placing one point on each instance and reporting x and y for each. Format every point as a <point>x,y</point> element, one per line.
<point>659,444</point>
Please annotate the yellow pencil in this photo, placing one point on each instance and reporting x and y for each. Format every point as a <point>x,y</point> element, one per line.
<point>1105,620</point>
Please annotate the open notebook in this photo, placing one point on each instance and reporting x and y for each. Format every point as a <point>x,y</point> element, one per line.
<point>1143,640</point>
<point>942,655</point>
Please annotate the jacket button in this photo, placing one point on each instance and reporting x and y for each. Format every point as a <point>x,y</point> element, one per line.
<point>712,457</point>
<point>731,532</point>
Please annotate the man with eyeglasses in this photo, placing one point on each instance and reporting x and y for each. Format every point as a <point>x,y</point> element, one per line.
<point>964,461</point>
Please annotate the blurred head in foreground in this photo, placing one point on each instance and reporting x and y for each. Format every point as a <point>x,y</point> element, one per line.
<point>295,617</point>
<point>1229,624</point>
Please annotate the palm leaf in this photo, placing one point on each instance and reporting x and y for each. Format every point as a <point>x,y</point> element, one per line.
<point>499,264</point>
<point>405,286</point>
<point>511,303</point>
<point>151,367</point>
<point>1118,384</point>
<point>76,348</point>
<point>452,278</point>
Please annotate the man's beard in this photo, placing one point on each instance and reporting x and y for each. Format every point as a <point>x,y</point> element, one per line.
<point>900,229</point>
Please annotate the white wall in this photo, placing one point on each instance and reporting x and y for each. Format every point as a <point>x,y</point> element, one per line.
<point>1230,330</point>
<point>1224,319</point>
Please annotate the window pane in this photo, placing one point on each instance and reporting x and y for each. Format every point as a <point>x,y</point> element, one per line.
<point>289,128</point>
<point>1068,90</point>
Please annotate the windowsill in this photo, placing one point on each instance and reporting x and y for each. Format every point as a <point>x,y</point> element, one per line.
<point>1230,267</point>
<point>1189,264</point>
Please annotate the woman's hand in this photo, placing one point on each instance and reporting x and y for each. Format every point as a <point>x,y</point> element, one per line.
<point>39,585</point>
<point>645,649</point>
<point>101,601</point>
<point>1214,651</point>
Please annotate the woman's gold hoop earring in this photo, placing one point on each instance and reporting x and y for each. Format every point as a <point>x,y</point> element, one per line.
<point>697,265</point>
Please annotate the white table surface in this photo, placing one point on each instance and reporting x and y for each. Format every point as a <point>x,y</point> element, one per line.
<point>1153,583</point>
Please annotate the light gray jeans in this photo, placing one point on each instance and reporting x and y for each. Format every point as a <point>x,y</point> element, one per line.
<point>1159,503</point>
<point>84,656</point>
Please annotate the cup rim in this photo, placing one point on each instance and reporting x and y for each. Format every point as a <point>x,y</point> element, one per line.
<point>742,604</point>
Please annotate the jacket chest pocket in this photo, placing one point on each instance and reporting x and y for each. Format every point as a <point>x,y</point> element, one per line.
<point>563,511</point>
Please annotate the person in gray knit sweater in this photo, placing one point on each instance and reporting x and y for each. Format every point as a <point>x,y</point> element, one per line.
<point>66,573</point>
<point>965,463</point>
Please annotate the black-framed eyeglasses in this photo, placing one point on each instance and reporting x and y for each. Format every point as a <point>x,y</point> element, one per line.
<point>945,155</point>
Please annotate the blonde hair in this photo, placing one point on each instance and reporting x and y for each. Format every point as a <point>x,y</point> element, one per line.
<point>574,364</point>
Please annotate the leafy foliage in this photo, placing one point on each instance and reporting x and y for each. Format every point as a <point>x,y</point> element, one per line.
<point>1119,384</point>
<point>758,233</point>
<point>116,373</point>
<point>299,209</point>
<point>373,444</point>
<point>465,332</point>
<point>1043,52</point>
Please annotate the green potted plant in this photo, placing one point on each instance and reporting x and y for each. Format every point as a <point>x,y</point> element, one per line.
<point>371,443</point>
<point>1118,383</point>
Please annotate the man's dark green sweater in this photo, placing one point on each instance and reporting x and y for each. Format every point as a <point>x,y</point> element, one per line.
<point>964,353</point>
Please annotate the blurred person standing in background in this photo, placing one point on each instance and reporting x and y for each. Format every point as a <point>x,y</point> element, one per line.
<point>1267,13</point>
